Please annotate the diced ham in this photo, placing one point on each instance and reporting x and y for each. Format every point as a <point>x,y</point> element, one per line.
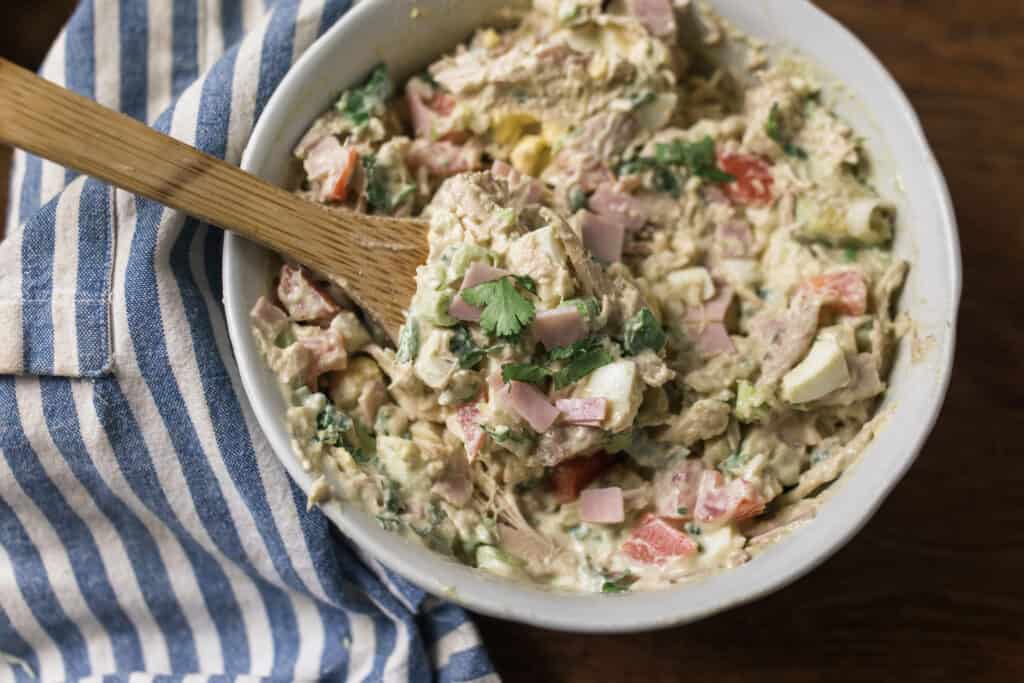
<point>303,300</point>
<point>330,166</point>
<point>460,310</point>
<point>499,391</point>
<point>785,339</point>
<point>734,238</point>
<point>845,291</point>
<point>524,544</point>
<point>655,15</point>
<point>593,174</point>
<point>532,405</point>
<point>603,236</point>
<point>588,412</point>
<point>472,435</point>
<point>753,184</point>
<point>570,477</point>
<point>455,484</point>
<point>675,488</point>
<point>608,201</point>
<point>602,506</point>
<point>523,189</point>
<point>561,326</point>
<point>479,273</point>
<point>443,158</point>
<point>327,353</point>
<point>268,318</point>
<point>710,339</point>
<point>719,501</point>
<point>654,541</point>
<point>429,106</point>
<point>714,309</point>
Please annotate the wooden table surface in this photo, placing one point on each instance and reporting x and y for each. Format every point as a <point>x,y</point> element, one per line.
<point>932,588</point>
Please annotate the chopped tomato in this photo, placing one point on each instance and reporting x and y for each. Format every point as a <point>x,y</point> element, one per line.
<point>339,181</point>
<point>655,540</point>
<point>845,291</point>
<point>721,501</point>
<point>753,183</point>
<point>572,476</point>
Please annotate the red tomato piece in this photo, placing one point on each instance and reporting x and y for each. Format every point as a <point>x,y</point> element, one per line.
<point>343,176</point>
<point>846,291</point>
<point>472,434</point>
<point>753,183</point>
<point>570,477</point>
<point>302,298</point>
<point>655,540</point>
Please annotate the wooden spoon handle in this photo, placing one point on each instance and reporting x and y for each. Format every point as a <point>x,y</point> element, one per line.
<point>374,257</point>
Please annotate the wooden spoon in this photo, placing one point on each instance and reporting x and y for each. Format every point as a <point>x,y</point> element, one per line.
<point>373,257</point>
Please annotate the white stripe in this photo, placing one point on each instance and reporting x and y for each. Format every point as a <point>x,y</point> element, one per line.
<point>252,14</point>
<point>65,281</point>
<point>54,557</point>
<point>51,664</point>
<point>243,96</point>
<point>362,649</point>
<point>11,351</point>
<point>53,176</point>
<point>107,42</point>
<point>461,638</point>
<point>211,38</point>
<point>307,25</point>
<point>14,196</point>
<point>159,57</point>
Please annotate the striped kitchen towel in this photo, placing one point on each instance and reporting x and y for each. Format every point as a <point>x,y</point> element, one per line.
<point>146,528</point>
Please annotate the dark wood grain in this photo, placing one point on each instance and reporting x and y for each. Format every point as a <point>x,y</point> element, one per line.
<point>933,588</point>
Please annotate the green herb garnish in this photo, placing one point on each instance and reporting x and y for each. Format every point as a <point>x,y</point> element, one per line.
<point>505,311</point>
<point>332,426</point>
<point>643,331</point>
<point>850,254</point>
<point>773,127</point>
<point>466,349</point>
<point>359,104</point>
<point>524,372</point>
<point>408,342</point>
<point>734,462</point>
<point>698,156</point>
<point>574,349</point>
<point>581,365</point>
<point>577,199</point>
<point>620,584</point>
<point>588,307</point>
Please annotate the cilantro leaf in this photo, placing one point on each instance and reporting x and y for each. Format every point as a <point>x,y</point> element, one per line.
<point>360,103</point>
<point>618,584</point>
<point>643,331</point>
<point>526,282</point>
<point>698,156</point>
<point>524,372</point>
<point>581,365</point>
<point>505,311</point>
<point>574,349</point>
<point>589,307</point>
<point>466,349</point>
<point>773,128</point>
<point>332,425</point>
<point>378,197</point>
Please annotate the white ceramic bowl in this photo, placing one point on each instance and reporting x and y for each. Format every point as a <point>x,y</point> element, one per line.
<point>906,171</point>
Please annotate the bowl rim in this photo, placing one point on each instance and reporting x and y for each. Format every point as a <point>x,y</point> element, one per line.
<point>587,613</point>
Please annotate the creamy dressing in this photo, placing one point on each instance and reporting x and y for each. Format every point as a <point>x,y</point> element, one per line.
<point>655,320</point>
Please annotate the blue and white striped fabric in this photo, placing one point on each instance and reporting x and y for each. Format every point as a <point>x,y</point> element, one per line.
<point>146,528</point>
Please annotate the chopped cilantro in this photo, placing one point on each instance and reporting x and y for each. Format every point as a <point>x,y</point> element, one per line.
<point>618,584</point>
<point>588,307</point>
<point>665,181</point>
<point>692,528</point>
<point>359,104</point>
<point>332,426</point>
<point>581,365</point>
<point>574,349</point>
<point>503,433</point>
<point>524,372</point>
<point>408,342</point>
<point>377,196</point>
<point>773,127</point>
<point>393,498</point>
<point>506,311</point>
<point>389,523</point>
<point>734,462</point>
<point>683,510</point>
<point>526,282</point>
<point>466,350</point>
<point>850,254</point>
<point>643,331</point>
<point>698,156</point>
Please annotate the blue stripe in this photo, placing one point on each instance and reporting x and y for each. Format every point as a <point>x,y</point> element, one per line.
<point>37,290</point>
<point>136,464</point>
<point>77,539</point>
<point>12,643</point>
<point>231,26</point>
<point>95,260</point>
<point>80,58</point>
<point>141,548</point>
<point>440,621</point>
<point>134,57</point>
<point>184,45</point>
<point>333,10</point>
<point>334,661</point>
<point>466,665</point>
<point>276,57</point>
<point>31,185</point>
